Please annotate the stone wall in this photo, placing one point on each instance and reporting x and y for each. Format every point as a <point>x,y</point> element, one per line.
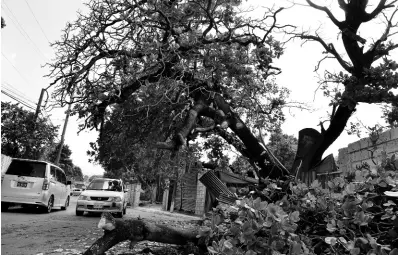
<point>361,151</point>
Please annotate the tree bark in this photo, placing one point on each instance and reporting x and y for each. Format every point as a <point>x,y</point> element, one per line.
<point>118,230</point>
<point>225,117</point>
<point>355,15</point>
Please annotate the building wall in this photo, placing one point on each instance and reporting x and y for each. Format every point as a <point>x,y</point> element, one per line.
<point>200,196</point>
<point>186,192</point>
<point>355,154</point>
<point>133,195</point>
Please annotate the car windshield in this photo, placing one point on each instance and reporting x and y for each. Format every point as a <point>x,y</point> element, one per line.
<point>112,185</point>
<point>27,168</point>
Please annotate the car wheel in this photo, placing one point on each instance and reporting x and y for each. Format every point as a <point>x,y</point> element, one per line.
<point>4,206</point>
<point>124,210</point>
<point>79,213</point>
<point>50,205</point>
<point>119,214</point>
<point>66,204</point>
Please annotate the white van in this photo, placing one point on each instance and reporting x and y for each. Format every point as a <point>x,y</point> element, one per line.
<point>34,183</point>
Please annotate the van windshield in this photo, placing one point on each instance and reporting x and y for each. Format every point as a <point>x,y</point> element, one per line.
<point>27,168</point>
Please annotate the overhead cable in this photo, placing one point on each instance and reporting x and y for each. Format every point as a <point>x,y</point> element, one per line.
<point>17,99</point>
<point>26,35</point>
<point>31,11</point>
<point>15,68</point>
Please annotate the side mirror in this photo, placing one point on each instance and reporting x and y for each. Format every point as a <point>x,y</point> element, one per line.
<point>68,182</point>
<point>126,190</point>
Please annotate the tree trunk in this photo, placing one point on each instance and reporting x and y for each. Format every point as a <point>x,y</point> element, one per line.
<point>117,230</point>
<point>308,157</point>
<point>225,117</point>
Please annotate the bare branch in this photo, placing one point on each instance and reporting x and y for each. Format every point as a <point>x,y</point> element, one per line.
<point>328,12</point>
<point>373,51</point>
<point>380,7</point>
<point>330,49</point>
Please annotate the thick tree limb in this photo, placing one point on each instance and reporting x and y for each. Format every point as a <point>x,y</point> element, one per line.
<point>116,231</point>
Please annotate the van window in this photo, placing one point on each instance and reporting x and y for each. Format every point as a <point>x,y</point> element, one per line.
<point>61,176</point>
<point>27,168</point>
<point>53,171</point>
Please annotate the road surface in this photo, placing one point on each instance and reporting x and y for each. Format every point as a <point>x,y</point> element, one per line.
<point>61,232</point>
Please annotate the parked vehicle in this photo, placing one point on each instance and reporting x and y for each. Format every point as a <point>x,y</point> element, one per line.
<point>34,183</point>
<point>76,192</point>
<point>103,195</point>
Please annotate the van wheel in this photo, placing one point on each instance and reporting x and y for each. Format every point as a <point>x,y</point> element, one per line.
<point>124,210</point>
<point>119,214</point>
<point>4,206</point>
<point>79,213</point>
<point>66,204</point>
<point>50,205</point>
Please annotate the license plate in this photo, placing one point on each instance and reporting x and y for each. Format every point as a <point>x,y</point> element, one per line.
<point>22,184</point>
<point>97,206</point>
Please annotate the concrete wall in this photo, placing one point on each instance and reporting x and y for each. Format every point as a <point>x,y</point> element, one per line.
<point>360,151</point>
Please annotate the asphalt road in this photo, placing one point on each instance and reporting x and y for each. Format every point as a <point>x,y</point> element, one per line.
<point>61,232</point>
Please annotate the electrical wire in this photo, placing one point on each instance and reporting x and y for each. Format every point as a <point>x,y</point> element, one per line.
<point>26,34</point>
<point>17,92</point>
<point>31,11</point>
<point>17,99</point>
<point>17,96</point>
<point>15,68</point>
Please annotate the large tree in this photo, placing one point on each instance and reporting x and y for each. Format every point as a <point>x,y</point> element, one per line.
<point>178,67</point>
<point>21,135</point>
<point>368,71</point>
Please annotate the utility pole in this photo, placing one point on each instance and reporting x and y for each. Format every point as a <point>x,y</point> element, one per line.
<point>61,144</point>
<point>39,105</point>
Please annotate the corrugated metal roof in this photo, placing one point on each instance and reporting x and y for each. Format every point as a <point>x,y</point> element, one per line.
<point>217,188</point>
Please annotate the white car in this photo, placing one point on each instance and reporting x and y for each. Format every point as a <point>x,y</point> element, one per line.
<point>103,195</point>
<point>34,183</point>
<point>76,192</point>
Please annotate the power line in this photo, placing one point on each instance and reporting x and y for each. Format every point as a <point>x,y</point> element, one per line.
<point>12,89</point>
<point>18,100</point>
<point>17,95</point>
<point>15,68</point>
<point>31,11</point>
<point>26,34</point>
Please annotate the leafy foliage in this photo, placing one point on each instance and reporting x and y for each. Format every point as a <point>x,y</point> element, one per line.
<point>21,137</point>
<point>170,70</point>
<point>283,147</point>
<point>65,161</point>
<point>293,218</point>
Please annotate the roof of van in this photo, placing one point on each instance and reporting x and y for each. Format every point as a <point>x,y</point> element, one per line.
<point>32,160</point>
<point>39,161</point>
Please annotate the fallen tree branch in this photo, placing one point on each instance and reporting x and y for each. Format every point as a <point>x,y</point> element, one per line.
<point>137,230</point>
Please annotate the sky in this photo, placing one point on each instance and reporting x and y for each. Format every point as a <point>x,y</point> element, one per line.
<point>32,24</point>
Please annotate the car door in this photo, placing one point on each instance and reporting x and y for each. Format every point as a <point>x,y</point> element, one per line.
<point>54,186</point>
<point>61,178</point>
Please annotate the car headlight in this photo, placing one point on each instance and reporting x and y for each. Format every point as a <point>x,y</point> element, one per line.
<point>84,197</point>
<point>116,199</point>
